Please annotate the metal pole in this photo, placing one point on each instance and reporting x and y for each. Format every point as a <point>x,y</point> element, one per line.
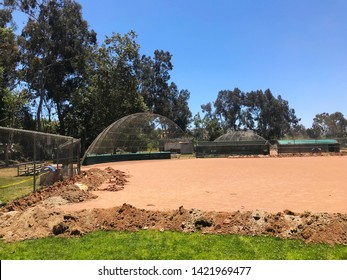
<point>71,158</point>
<point>79,157</point>
<point>34,162</point>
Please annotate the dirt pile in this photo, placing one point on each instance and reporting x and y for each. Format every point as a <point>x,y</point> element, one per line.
<point>40,221</point>
<point>38,216</point>
<point>75,189</point>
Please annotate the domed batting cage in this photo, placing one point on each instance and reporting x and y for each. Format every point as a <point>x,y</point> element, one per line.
<point>234,143</point>
<point>136,137</point>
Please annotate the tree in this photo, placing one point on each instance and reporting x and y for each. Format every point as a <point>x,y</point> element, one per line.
<point>113,88</point>
<point>260,111</point>
<point>161,96</point>
<point>329,125</point>
<point>5,16</point>
<point>179,110</point>
<point>270,117</point>
<point>9,58</point>
<point>228,106</point>
<point>54,47</point>
<point>207,128</point>
<point>17,111</point>
<point>154,78</point>
<point>298,131</point>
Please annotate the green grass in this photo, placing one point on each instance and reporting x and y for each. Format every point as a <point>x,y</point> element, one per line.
<point>154,245</point>
<point>15,187</point>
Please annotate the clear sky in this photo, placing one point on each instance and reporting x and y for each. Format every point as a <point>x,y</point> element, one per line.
<point>297,48</point>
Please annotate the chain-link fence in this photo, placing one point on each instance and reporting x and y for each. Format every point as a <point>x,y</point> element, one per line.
<point>343,144</point>
<point>30,160</point>
<point>304,146</point>
<point>224,149</point>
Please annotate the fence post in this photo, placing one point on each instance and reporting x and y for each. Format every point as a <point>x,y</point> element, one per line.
<point>71,158</point>
<point>34,162</point>
<point>79,156</point>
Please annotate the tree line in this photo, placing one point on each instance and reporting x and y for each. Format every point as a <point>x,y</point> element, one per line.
<point>267,115</point>
<point>55,77</point>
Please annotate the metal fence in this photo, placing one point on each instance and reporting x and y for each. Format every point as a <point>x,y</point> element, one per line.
<point>303,146</point>
<point>343,143</point>
<point>30,160</point>
<point>223,149</point>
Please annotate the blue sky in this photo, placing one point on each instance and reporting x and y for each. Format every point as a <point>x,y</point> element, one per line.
<point>297,48</point>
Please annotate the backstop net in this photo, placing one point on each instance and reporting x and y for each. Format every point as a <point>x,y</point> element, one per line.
<point>138,136</point>
<point>233,143</point>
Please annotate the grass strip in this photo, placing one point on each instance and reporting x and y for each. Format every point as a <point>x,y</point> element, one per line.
<point>154,245</point>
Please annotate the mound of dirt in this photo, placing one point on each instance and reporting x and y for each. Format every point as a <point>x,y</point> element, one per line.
<point>75,189</point>
<point>40,221</point>
<point>38,216</point>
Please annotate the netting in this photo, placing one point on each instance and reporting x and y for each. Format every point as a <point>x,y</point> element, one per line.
<point>139,133</point>
<point>33,159</point>
<point>234,143</point>
<point>302,146</point>
<point>247,135</point>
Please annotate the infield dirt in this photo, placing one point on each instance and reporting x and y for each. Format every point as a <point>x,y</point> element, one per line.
<point>301,198</point>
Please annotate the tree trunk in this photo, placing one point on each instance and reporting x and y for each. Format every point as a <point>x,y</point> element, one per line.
<point>38,113</point>
<point>61,120</point>
<point>7,162</point>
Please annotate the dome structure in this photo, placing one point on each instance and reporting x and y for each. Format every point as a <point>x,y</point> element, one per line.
<point>233,136</point>
<point>243,143</point>
<point>137,133</point>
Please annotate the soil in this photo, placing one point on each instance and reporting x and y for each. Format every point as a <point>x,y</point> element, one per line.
<point>44,214</point>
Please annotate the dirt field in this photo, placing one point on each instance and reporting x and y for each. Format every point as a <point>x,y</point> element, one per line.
<point>291,197</point>
<point>317,184</point>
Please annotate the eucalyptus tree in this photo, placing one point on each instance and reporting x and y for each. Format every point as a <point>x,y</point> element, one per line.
<point>54,45</point>
<point>179,108</point>
<point>260,111</point>
<point>12,101</point>
<point>208,127</point>
<point>228,108</point>
<point>114,83</point>
<point>8,62</point>
<point>328,125</point>
<point>160,94</point>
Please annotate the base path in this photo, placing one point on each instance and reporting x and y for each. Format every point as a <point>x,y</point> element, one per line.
<point>315,184</point>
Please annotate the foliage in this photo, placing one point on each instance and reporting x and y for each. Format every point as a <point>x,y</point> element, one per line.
<point>154,245</point>
<point>228,108</point>
<point>54,46</point>
<point>77,85</point>
<point>298,131</point>
<point>114,82</point>
<point>260,111</point>
<point>16,110</point>
<point>112,89</point>
<point>9,58</point>
<point>207,128</point>
<point>161,96</point>
<point>56,70</point>
<point>329,125</point>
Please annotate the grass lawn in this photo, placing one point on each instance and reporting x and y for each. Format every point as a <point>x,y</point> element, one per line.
<point>15,187</point>
<point>154,245</point>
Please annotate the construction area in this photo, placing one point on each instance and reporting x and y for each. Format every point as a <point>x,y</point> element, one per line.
<point>290,197</point>
<point>238,184</point>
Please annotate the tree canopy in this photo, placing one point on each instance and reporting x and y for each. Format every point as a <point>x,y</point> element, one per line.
<point>268,116</point>
<point>72,81</point>
<point>56,77</point>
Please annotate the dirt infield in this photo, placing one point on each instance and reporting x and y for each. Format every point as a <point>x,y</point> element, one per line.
<point>293,197</point>
<point>317,184</point>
